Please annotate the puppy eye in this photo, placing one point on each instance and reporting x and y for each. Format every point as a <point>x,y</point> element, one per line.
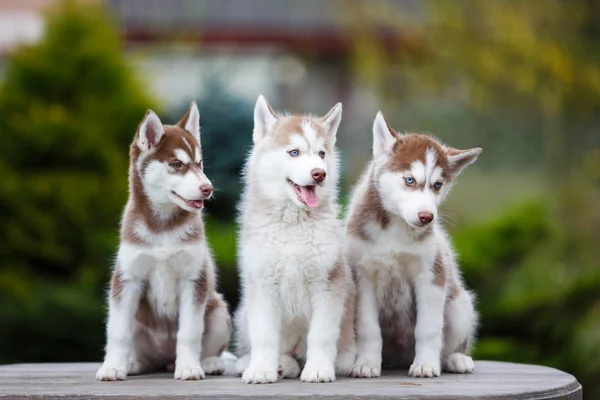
<point>322,154</point>
<point>437,185</point>
<point>294,153</point>
<point>409,180</point>
<point>176,164</point>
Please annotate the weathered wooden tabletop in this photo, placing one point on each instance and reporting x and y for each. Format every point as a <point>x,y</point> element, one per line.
<point>491,380</point>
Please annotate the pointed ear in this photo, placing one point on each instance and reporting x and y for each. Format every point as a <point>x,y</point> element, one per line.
<point>191,121</point>
<point>384,137</point>
<point>460,159</point>
<point>332,120</point>
<point>264,119</point>
<point>150,131</point>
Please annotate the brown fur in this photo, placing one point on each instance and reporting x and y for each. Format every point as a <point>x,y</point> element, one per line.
<point>369,210</point>
<point>292,125</point>
<point>337,272</point>
<point>116,286</point>
<point>439,272</point>
<point>411,148</point>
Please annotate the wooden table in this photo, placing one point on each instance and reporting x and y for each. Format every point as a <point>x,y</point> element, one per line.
<point>491,380</point>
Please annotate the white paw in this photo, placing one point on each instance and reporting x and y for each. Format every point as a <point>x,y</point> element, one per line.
<point>344,362</point>
<point>318,373</point>
<point>425,369</point>
<point>241,364</point>
<point>259,375</point>
<point>111,374</point>
<point>366,369</point>
<point>459,363</point>
<point>188,373</point>
<point>213,366</point>
<point>288,367</point>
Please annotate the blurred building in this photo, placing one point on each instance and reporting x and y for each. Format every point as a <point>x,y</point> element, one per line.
<point>292,51</point>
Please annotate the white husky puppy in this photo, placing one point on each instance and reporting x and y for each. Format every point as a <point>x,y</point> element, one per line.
<point>164,311</point>
<point>296,286</point>
<point>412,306</point>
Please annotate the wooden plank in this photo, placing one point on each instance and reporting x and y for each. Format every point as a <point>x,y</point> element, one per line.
<point>491,380</point>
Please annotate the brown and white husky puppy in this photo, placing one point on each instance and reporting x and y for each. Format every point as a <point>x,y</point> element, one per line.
<point>413,309</point>
<point>163,305</point>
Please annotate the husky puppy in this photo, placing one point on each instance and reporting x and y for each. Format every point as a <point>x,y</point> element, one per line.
<point>412,307</point>
<point>298,293</point>
<point>163,307</point>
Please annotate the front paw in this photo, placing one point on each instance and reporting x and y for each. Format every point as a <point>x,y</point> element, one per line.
<point>364,368</point>
<point>189,373</point>
<point>111,374</point>
<point>317,373</point>
<point>254,374</point>
<point>424,369</point>
<point>213,366</point>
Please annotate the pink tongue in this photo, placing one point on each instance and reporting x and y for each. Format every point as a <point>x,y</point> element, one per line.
<point>198,203</point>
<point>310,196</point>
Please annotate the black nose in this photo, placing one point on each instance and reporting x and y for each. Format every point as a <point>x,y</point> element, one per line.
<point>425,217</point>
<point>206,189</point>
<point>318,175</point>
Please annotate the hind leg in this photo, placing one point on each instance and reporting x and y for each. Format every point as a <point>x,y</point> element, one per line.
<point>216,335</point>
<point>460,325</point>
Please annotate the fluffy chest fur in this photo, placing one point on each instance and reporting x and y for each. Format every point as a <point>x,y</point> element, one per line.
<point>290,257</point>
<point>305,249</point>
<point>162,265</point>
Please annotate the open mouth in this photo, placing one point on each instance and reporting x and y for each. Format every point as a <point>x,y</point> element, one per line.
<point>197,204</point>
<point>306,194</point>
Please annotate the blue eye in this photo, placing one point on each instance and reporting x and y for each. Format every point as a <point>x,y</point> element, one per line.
<point>409,180</point>
<point>294,153</point>
<point>437,185</point>
<point>322,154</point>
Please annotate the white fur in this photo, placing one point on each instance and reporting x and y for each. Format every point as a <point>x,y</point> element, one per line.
<point>160,182</point>
<point>286,252</point>
<point>192,124</point>
<point>396,262</point>
<point>150,132</point>
<point>182,156</point>
<point>383,139</point>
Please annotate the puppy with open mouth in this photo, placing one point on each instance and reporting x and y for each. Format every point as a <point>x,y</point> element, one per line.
<point>297,306</point>
<point>164,311</point>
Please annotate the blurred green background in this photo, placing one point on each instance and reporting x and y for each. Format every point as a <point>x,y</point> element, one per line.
<point>519,78</point>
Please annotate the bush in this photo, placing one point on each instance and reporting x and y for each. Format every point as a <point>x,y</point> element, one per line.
<point>69,107</point>
<point>528,283</point>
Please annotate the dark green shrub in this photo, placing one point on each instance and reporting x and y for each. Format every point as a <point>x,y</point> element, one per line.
<point>69,107</point>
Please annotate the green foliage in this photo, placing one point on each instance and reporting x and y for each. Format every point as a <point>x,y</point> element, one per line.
<point>537,303</point>
<point>69,107</point>
<point>226,124</point>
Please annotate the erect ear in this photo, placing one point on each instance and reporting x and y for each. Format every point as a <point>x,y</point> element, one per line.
<point>460,159</point>
<point>331,121</point>
<point>150,131</point>
<point>264,119</point>
<point>191,121</point>
<point>384,137</point>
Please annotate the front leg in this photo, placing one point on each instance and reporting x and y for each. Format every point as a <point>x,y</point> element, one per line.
<point>124,299</point>
<point>191,328</point>
<point>430,298</point>
<point>264,330</point>
<point>324,331</point>
<point>368,333</point>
